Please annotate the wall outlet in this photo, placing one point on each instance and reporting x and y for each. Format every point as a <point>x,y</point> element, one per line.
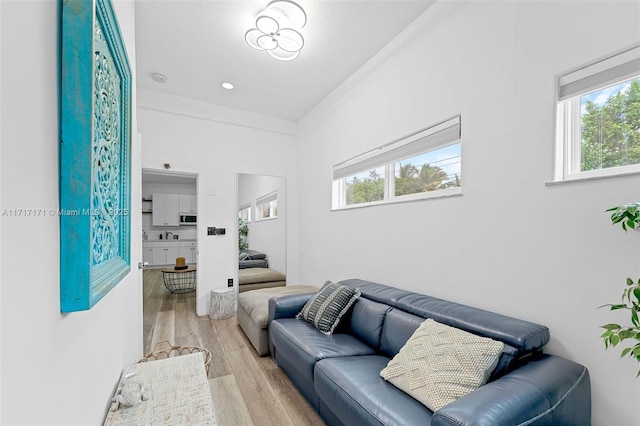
<point>230,282</point>
<point>211,230</point>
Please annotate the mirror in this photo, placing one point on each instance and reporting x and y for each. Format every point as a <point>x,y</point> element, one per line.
<point>262,205</point>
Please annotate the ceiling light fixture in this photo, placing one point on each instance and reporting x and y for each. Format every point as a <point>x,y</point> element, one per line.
<point>277,30</point>
<point>227,85</point>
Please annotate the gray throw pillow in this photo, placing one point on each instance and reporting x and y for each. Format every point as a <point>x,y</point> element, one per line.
<point>325,309</point>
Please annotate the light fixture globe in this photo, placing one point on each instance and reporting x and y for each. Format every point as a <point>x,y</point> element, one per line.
<point>293,11</point>
<point>267,24</point>
<point>290,40</point>
<point>267,42</point>
<point>252,36</point>
<point>283,55</point>
<point>277,30</point>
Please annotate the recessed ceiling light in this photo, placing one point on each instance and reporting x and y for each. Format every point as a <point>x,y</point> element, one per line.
<point>158,78</point>
<point>227,85</point>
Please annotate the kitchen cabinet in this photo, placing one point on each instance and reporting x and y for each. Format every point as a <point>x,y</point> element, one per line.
<point>188,204</point>
<point>166,209</point>
<point>188,251</point>
<point>147,254</point>
<point>160,253</point>
<point>165,252</point>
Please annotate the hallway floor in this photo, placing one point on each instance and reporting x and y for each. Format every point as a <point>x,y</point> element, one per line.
<point>246,389</point>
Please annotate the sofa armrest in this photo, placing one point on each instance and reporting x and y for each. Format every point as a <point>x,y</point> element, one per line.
<point>549,390</point>
<point>287,306</point>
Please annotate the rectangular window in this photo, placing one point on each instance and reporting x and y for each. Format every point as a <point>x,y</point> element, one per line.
<point>425,164</point>
<point>267,206</point>
<point>598,118</point>
<point>244,212</point>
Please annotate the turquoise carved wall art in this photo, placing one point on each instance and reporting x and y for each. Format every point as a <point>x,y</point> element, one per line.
<point>95,154</point>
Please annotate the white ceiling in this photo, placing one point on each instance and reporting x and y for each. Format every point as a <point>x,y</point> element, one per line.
<point>198,44</point>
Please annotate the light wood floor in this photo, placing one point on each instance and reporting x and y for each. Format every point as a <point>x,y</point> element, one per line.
<point>246,389</point>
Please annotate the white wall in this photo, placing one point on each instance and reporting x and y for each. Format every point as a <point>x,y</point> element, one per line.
<point>510,244</point>
<point>56,369</point>
<point>267,236</point>
<point>149,189</point>
<point>217,143</point>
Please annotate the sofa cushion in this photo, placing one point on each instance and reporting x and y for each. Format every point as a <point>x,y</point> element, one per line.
<point>256,302</point>
<point>357,395</point>
<point>525,336</point>
<point>252,254</point>
<point>398,327</point>
<point>326,307</point>
<point>440,364</point>
<point>259,275</point>
<point>378,292</point>
<point>303,345</point>
<point>365,321</point>
<point>253,263</point>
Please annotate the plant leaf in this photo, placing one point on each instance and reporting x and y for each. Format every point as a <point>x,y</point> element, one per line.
<point>615,339</point>
<point>611,326</point>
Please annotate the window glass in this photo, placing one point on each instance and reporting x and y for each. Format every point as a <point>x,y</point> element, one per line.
<point>430,171</point>
<point>245,213</point>
<point>267,210</point>
<point>610,126</point>
<point>365,187</point>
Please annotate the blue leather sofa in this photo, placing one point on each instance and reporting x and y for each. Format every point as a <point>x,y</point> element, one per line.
<point>340,374</point>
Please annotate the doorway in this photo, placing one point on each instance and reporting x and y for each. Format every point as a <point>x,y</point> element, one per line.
<point>169,238</point>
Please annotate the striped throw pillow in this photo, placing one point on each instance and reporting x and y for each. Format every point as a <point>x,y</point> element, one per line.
<point>325,309</point>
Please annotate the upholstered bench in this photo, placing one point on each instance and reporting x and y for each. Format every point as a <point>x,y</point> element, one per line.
<point>257,278</point>
<point>253,309</point>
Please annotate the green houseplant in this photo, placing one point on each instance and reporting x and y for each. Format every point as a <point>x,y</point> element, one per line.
<point>243,231</point>
<point>629,217</point>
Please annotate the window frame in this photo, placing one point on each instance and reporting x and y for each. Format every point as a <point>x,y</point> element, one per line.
<point>338,186</point>
<point>270,199</point>
<point>589,78</point>
<point>246,207</point>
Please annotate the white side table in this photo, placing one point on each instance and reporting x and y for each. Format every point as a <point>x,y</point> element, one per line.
<point>223,303</point>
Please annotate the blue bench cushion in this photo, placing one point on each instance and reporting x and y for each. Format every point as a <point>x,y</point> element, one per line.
<point>354,390</point>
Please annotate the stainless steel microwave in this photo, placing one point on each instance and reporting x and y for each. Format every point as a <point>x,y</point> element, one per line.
<point>188,219</point>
